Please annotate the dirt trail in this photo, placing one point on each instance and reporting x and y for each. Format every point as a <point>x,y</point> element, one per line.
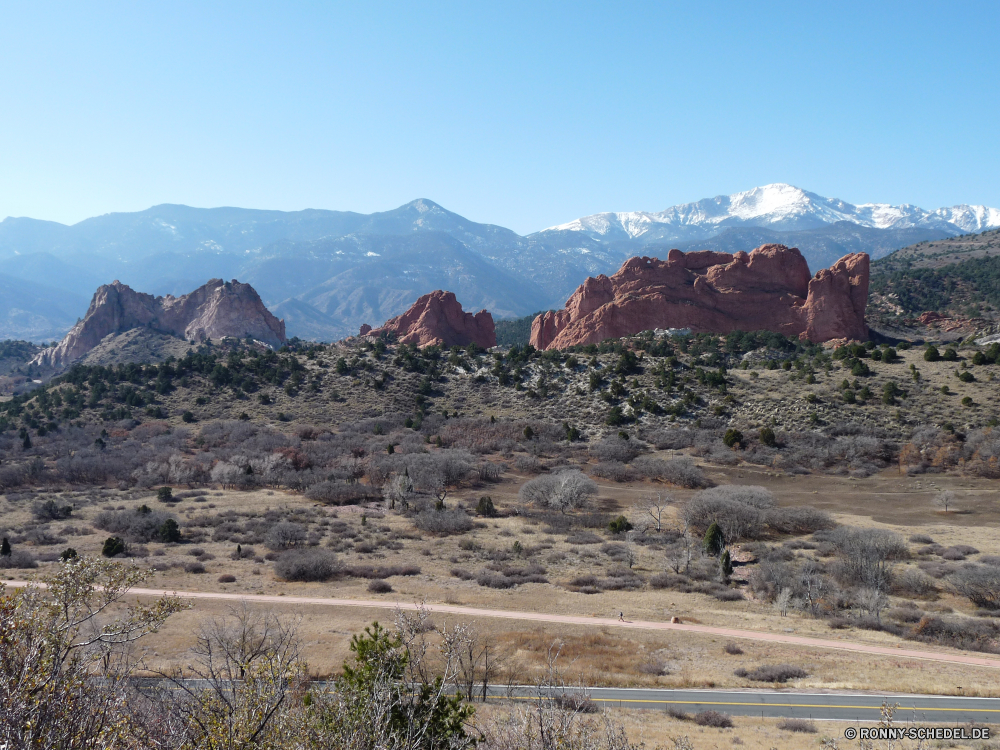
<point>791,640</point>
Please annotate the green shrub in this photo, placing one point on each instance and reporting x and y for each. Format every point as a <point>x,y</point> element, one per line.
<point>485,507</point>
<point>620,525</point>
<point>732,438</point>
<point>113,545</point>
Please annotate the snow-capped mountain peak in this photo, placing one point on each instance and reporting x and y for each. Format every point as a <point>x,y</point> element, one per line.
<point>778,206</point>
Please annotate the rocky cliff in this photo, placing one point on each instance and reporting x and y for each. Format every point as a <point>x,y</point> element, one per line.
<point>769,288</point>
<point>438,318</point>
<point>217,309</point>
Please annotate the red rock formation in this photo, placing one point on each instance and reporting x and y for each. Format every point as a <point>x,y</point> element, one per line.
<point>438,318</point>
<point>711,292</point>
<point>365,329</point>
<point>214,310</point>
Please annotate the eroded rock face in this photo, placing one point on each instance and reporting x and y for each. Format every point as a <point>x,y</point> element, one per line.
<point>217,309</point>
<point>438,318</point>
<point>711,292</point>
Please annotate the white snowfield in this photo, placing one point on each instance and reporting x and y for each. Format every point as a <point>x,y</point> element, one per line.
<point>783,207</point>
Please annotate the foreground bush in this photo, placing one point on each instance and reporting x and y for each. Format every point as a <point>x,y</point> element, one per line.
<point>307,565</point>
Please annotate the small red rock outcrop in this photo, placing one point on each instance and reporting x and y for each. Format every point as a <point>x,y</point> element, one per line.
<point>711,292</point>
<point>217,309</point>
<point>438,318</point>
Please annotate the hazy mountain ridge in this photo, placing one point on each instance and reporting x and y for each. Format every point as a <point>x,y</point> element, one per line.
<point>330,271</point>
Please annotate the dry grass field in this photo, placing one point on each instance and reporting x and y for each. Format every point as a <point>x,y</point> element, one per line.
<point>376,537</point>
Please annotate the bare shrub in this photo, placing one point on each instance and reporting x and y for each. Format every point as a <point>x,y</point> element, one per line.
<point>444,521</point>
<point>583,537</point>
<point>527,464</point>
<point>342,493</point>
<point>670,439</point>
<point>617,449</point>
<point>621,579</point>
<point>494,580</point>
<point>307,565</point>
<point>507,576</point>
<point>563,491</point>
<point>379,586</point>
<point>616,471</point>
<point>227,578</point>
<point>139,525</point>
<point>913,582</point>
<point>971,634</point>
<point>772,673</point>
<point>575,702</point>
<point>800,519</point>
<point>713,719</point>
<point>732,649</point>
<point>489,471</point>
<point>654,666</point>
<point>194,567</point>
<point>681,472</point>
<point>738,510</point>
<point>668,581</point>
<point>980,584</point>
<point>18,559</point>
<point>285,535</point>
<point>797,725</point>
<point>371,572</point>
<point>867,555</point>
<point>921,539</point>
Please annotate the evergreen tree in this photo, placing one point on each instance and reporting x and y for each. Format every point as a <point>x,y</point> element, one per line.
<point>714,542</point>
<point>725,565</point>
<point>170,531</point>
<point>5,548</point>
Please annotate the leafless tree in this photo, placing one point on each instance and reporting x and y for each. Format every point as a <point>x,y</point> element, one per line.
<point>944,500</point>
<point>245,663</point>
<point>655,507</point>
<point>867,555</point>
<point>872,601</point>
<point>563,491</point>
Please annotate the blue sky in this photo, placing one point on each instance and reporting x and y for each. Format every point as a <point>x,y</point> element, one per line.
<point>520,114</point>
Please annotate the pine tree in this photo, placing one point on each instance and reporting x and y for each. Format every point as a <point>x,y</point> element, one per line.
<point>5,548</point>
<point>725,565</point>
<point>714,542</point>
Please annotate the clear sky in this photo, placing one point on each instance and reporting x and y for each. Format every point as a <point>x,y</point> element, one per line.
<point>524,114</point>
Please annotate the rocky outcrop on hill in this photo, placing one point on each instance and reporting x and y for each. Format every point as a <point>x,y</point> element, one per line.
<point>711,292</point>
<point>438,318</point>
<point>217,309</point>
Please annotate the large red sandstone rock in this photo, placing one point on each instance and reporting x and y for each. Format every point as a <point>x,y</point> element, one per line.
<point>710,292</point>
<point>438,319</point>
<point>217,309</point>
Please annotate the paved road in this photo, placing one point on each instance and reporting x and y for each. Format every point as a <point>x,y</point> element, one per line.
<point>951,657</point>
<point>865,708</point>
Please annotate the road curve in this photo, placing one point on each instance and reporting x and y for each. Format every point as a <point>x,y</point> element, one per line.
<point>753,635</point>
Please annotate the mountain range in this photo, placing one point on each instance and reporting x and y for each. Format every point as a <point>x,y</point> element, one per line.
<point>327,272</point>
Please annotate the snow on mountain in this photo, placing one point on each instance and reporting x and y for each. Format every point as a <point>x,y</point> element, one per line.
<point>780,207</point>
